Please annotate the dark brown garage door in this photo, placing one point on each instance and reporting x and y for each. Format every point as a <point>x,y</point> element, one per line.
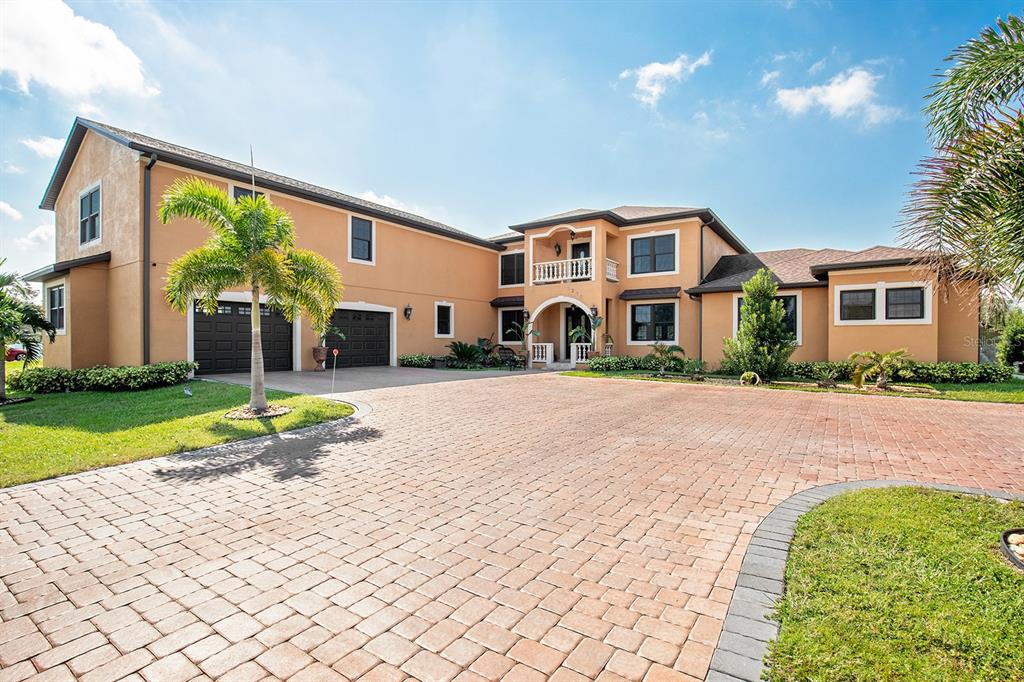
<point>367,339</point>
<point>223,342</point>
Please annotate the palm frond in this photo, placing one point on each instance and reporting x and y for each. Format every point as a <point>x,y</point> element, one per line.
<point>317,286</point>
<point>202,201</point>
<point>201,275</point>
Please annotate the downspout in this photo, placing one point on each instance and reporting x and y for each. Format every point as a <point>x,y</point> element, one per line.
<point>700,301</point>
<point>146,265</point>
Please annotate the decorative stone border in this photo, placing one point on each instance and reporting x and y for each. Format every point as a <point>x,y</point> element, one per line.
<point>748,626</point>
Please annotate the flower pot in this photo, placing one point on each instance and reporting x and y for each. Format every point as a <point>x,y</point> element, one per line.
<point>319,356</point>
<point>608,348</point>
<point>440,362</point>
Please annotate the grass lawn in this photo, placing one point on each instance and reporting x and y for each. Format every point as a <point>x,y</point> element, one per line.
<point>1009,392</point>
<point>66,432</point>
<point>901,584</point>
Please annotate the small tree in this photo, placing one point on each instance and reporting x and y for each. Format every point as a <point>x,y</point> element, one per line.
<point>874,364</point>
<point>1010,349</point>
<point>763,343</point>
<point>21,321</point>
<point>663,355</point>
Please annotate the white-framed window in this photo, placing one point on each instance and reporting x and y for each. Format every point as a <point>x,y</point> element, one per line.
<point>883,303</point>
<point>55,306</point>
<point>511,269</point>
<point>650,322</point>
<point>239,191</point>
<point>90,227</point>
<point>362,240</point>
<point>793,303</point>
<point>444,320</point>
<point>653,254</point>
<point>507,317</point>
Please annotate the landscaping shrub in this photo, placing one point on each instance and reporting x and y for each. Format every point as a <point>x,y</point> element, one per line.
<point>101,378</point>
<point>623,363</point>
<point>464,355</point>
<point>416,360</point>
<point>763,342</point>
<point>922,372</point>
<point>1010,349</point>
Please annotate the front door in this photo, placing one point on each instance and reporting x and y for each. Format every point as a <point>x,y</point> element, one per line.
<point>574,317</point>
<point>579,250</point>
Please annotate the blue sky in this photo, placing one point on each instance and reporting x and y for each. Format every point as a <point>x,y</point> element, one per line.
<point>799,123</point>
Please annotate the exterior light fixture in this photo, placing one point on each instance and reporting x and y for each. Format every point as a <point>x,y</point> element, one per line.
<point>572,234</point>
<point>526,315</point>
<point>407,311</point>
<point>593,311</point>
<point>558,249</point>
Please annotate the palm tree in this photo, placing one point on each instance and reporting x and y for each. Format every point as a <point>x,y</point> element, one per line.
<point>664,354</point>
<point>882,365</point>
<point>252,246</point>
<point>21,321</point>
<point>967,209</point>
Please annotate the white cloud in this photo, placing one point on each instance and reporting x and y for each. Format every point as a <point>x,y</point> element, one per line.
<point>46,147</point>
<point>652,80</point>
<point>45,42</point>
<point>9,211</point>
<point>37,237</point>
<point>769,77</point>
<point>848,94</point>
<point>12,169</point>
<point>390,201</point>
<point>817,66</point>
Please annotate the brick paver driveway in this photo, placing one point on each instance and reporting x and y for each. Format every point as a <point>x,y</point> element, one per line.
<point>518,528</point>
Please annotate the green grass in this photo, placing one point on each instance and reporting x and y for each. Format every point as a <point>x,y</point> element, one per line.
<point>901,584</point>
<point>1008,392</point>
<point>63,433</point>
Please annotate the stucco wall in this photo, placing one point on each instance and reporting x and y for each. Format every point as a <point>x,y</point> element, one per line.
<point>958,323</point>
<point>87,310</point>
<point>714,248</point>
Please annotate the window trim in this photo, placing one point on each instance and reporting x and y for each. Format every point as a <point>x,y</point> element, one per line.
<point>57,284</point>
<point>501,332</point>
<point>660,233</point>
<point>889,290</point>
<point>511,253</point>
<point>629,322</point>
<point>233,185</point>
<point>451,320</point>
<point>782,292</point>
<point>373,241</point>
<point>880,308</point>
<point>98,185</point>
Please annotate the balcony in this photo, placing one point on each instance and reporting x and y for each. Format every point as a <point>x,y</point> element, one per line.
<point>563,270</point>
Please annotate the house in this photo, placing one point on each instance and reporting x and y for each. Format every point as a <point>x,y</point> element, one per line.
<point>412,285</point>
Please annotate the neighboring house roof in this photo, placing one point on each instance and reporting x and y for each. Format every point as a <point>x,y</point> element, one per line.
<point>648,294</point>
<point>623,216</point>
<point>876,256</point>
<point>506,237</point>
<point>56,269</point>
<point>507,301</point>
<point>201,161</point>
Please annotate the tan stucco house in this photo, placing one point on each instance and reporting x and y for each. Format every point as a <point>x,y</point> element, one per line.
<point>412,285</point>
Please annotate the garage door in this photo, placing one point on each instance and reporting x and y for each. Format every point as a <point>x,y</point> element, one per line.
<point>222,342</point>
<point>367,338</point>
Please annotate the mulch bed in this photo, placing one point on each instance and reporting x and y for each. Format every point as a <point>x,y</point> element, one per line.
<point>247,413</point>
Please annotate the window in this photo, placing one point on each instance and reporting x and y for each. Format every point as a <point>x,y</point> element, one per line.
<point>649,255</point>
<point>361,240</point>
<point>89,217</point>
<point>444,320</point>
<point>512,265</point>
<point>857,304</point>
<point>507,333</point>
<point>652,322</point>
<point>55,306</point>
<point>790,306</point>
<point>906,303</point>
<point>240,192</point>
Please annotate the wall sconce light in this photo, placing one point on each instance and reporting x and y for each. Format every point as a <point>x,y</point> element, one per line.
<point>572,234</point>
<point>407,311</point>
<point>558,249</point>
<point>593,311</point>
<point>526,315</point>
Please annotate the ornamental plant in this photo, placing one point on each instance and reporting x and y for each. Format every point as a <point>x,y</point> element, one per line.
<point>1010,349</point>
<point>763,343</point>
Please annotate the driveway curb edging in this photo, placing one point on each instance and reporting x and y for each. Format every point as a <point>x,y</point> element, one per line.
<point>748,626</point>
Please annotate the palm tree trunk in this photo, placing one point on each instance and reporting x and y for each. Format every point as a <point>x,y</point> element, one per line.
<point>257,392</point>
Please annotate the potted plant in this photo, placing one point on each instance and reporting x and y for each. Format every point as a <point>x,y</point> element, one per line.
<point>609,343</point>
<point>581,334</point>
<point>320,352</point>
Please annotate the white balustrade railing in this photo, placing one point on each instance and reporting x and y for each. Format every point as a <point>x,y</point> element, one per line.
<point>611,270</point>
<point>542,352</point>
<point>580,352</point>
<point>563,270</point>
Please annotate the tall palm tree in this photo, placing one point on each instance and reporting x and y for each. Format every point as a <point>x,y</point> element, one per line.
<point>252,246</point>
<point>967,208</point>
<point>21,321</point>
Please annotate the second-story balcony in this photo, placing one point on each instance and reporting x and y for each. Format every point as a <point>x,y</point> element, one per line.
<point>572,269</point>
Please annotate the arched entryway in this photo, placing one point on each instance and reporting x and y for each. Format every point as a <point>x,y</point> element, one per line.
<point>557,323</point>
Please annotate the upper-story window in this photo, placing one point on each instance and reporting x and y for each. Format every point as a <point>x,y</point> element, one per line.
<point>89,216</point>
<point>904,303</point>
<point>512,268</point>
<point>240,192</point>
<point>55,306</point>
<point>857,304</point>
<point>360,245</point>
<point>652,254</point>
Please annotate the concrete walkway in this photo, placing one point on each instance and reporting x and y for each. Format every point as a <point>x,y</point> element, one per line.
<point>525,528</point>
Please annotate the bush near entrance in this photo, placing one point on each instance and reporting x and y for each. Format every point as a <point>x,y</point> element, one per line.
<point>622,363</point>
<point>914,372</point>
<point>100,378</point>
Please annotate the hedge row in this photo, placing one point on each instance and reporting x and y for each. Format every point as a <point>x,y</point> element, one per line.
<point>100,378</point>
<point>922,372</point>
<point>621,363</point>
<point>416,360</point>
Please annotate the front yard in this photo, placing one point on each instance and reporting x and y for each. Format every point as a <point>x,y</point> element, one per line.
<point>901,584</point>
<point>1007,392</point>
<point>63,433</point>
